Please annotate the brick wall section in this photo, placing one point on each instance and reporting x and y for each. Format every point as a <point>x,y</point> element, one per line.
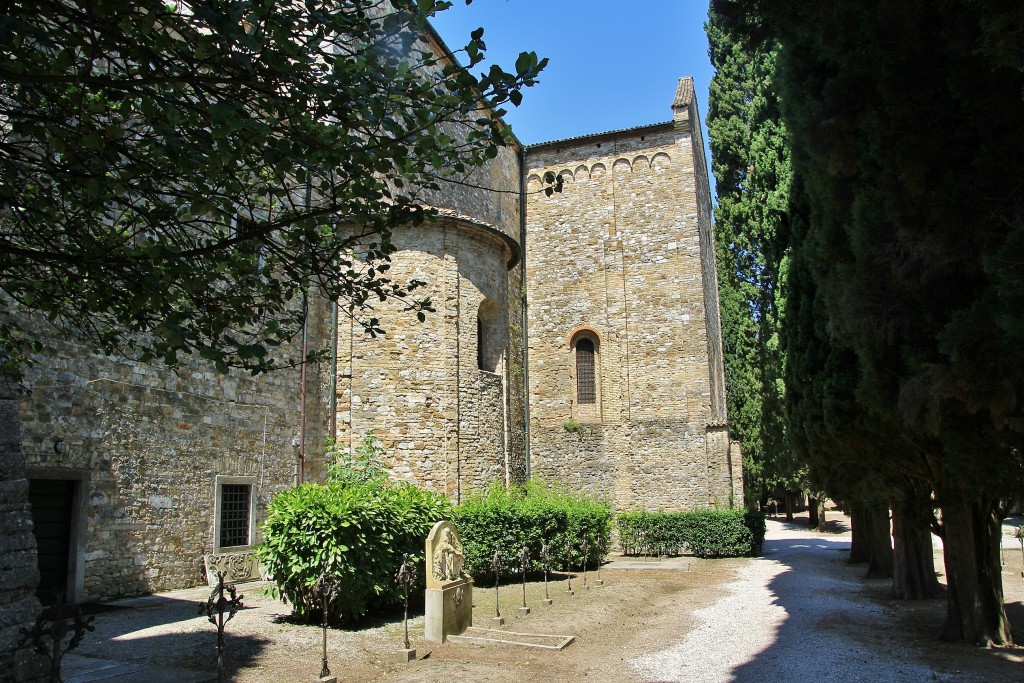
<point>625,251</point>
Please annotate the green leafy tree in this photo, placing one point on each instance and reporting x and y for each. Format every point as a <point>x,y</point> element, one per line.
<point>179,178</point>
<point>175,177</point>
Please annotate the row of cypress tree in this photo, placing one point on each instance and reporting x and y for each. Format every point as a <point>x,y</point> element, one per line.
<point>871,245</point>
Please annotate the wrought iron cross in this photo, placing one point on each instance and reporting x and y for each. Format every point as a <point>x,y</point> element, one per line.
<point>524,564</point>
<point>405,578</point>
<point>215,607</point>
<point>545,560</point>
<point>586,549</point>
<point>55,623</point>
<point>568,562</point>
<point>496,566</point>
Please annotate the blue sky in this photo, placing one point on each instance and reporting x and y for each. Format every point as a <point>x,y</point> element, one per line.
<point>613,64</point>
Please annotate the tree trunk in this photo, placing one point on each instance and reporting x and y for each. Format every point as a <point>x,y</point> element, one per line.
<point>879,541</point>
<point>975,610</point>
<point>819,506</point>
<point>789,506</point>
<point>913,567</point>
<point>812,512</point>
<point>859,539</point>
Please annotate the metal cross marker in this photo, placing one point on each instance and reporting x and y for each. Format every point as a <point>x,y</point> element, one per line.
<point>53,623</point>
<point>405,578</point>
<point>327,587</point>
<point>586,549</point>
<point>524,564</point>
<point>215,608</point>
<point>568,562</point>
<point>545,560</point>
<point>496,566</point>
<point>601,550</point>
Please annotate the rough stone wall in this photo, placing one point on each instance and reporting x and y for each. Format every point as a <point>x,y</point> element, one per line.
<point>18,569</point>
<point>441,420</point>
<point>147,445</point>
<point>515,381</point>
<point>621,255</point>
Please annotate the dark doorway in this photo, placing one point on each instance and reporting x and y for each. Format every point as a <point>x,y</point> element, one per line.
<point>52,509</point>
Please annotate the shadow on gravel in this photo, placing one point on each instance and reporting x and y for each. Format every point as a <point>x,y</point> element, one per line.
<point>140,634</point>
<point>840,626</point>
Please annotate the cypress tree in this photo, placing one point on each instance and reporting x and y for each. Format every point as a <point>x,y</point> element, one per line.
<point>906,122</point>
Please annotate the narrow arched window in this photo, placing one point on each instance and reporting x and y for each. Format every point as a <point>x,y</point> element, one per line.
<point>586,386</point>
<point>490,338</point>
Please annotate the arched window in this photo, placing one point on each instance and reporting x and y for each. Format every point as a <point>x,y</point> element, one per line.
<point>586,383</point>
<point>490,343</point>
<point>585,374</point>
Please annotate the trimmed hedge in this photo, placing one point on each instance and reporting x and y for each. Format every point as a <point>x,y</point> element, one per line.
<point>705,533</point>
<point>532,514</point>
<point>357,532</point>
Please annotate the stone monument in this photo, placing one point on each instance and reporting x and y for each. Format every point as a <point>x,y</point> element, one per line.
<point>449,597</point>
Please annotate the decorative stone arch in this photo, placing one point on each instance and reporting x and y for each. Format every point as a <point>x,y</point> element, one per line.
<point>622,165</point>
<point>641,163</point>
<point>660,161</point>
<point>582,173</point>
<point>567,176</point>
<point>584,344</point>
<point>598,170</point>
<point>490,341</point>
<point>532,182</point>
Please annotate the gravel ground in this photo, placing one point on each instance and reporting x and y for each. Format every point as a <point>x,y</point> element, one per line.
<point>779,619</point>
<point>797,613</point>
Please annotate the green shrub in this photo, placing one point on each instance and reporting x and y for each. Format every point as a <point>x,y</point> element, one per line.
<point>357,532</point>
<point>365,466</point>
<point>654,532</point>
<point>705,533</point>
<point>532,514</point>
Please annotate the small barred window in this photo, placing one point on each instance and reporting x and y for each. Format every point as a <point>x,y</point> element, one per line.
<point>586,387</point>
<point>234,515</point>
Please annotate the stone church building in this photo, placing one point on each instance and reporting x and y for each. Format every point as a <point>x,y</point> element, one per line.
<point>576,339</point>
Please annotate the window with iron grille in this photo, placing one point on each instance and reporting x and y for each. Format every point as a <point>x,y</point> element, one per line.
<point>586,387</point>
<point>247,228</point>
<point>234,515</point>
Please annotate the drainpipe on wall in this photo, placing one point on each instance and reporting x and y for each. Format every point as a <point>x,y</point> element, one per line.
<point>334,370</point>
<point>302,395</point>
<point>522,305</point>
<point>301,476</point>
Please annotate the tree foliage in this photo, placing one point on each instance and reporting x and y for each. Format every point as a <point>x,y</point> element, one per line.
<point>904,120</point>
<point>533,514</point>
<point>174,177</point>
<point>355,532</point>
<point>750,160</point>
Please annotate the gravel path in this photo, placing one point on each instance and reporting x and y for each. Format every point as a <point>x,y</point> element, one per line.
<point>792,615</point>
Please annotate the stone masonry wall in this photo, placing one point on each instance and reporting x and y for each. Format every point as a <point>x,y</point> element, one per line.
<point>441,420</point>
<point>618,255</point>
<point>147,445</point>
<point>18,569</point>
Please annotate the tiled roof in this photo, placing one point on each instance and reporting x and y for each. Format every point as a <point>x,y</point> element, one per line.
<point>598,135</point>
